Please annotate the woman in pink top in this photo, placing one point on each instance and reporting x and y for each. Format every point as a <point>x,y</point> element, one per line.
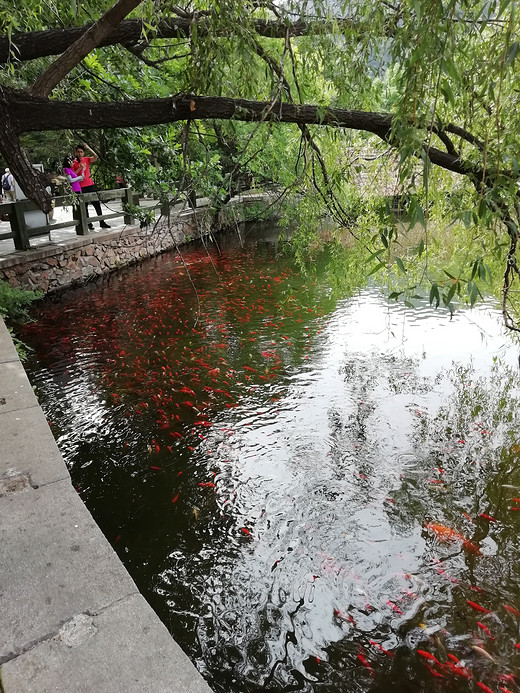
<point>72,177</point>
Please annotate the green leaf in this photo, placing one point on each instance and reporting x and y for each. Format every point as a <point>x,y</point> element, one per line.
<point>474,293</point>
<point>376,268</point>
<point>434,295</point>
<point>447,92</point>
<point>512,53</point>
<point>448,66</point>
<point>400,264</point>
<point>377,253</point>
<point>420,248</point>
<point>420,216</point>
<point>450,294</point>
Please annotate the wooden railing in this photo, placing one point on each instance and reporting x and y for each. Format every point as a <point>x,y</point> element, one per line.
<point>21,233</point>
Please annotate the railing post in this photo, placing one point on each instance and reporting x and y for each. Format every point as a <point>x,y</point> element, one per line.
<point>18,226</point>
<point>129,199</point>
<point>79,212</point>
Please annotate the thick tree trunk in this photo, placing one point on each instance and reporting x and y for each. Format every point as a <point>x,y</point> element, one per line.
<point>31,181</point>
<point>40,44</point>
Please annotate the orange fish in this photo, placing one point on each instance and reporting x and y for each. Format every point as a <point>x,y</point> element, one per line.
<point>444,533</point>
<point>511,609</point>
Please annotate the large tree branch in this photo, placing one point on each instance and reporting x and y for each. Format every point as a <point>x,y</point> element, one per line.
<point>26,113</point>
<point>40,44</point>
<point>99,31</point>
<point>32,114</point>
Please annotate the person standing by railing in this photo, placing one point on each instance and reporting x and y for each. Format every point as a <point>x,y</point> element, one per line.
<point>81,166</point>
<point>8,189</point>
<point>69,172</point>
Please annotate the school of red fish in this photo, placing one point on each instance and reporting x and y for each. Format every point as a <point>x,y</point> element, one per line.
<point>174,369</point>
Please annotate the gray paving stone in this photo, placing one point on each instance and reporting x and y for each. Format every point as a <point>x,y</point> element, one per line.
<point>55,563</point>
<point>27,446</point>
<point>15,389</point>
<point>7,349</point>
<point>124,649</point>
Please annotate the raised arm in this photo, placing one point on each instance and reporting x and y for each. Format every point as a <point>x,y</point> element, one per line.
<point>94,156</point>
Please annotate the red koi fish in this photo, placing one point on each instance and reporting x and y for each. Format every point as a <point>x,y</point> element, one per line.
<point>511,609</point>
<point>380,648</point>
<point>487,517</point>
<point>246,531</point>
<point>484,687</point>
<point>206,484</point>
<point>485,629</point>
<point>175,498</point>
<point>364,661</point>
<point>433,672</point>
<point>456,669</point>
<point>394,607</point>
<point>444,533</point>
<point>477,607</point>
<point>428,655</point>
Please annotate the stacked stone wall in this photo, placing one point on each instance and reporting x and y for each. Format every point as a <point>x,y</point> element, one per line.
<point>53,267</point>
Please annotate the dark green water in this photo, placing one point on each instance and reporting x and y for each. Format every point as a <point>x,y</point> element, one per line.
<point>266,461</point>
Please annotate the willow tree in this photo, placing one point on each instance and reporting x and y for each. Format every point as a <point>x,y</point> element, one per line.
<point>436,82</point>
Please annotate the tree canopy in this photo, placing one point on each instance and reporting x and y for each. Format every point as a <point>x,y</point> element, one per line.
<point>295,94</point>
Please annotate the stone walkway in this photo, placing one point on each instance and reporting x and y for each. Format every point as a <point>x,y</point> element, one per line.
<point>72,619</point>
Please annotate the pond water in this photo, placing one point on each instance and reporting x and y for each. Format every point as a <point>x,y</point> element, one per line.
<point>314,494</point>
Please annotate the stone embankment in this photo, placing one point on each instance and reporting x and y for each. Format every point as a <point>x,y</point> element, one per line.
<point>55,266</point>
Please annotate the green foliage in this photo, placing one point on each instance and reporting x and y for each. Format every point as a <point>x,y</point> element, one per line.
<point>143,215</point>
<point>14,302</point>
<point>14,305</point>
